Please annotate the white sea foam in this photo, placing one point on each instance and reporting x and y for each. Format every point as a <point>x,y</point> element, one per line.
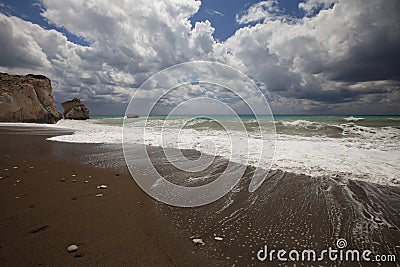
<point>351,118</point>
<point>367,153</point>
<point>353,158</point>
<point>89,132</point>
<point>299,123</point>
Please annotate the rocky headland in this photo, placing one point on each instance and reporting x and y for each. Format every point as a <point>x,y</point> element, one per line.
<point>27,98</point>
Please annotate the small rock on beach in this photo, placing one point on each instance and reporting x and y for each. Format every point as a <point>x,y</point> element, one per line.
<point>72,248</point>
<point>198,241</point>
<point>41,228</point>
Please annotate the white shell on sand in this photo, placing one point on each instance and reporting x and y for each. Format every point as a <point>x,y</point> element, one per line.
<point>72,248</point>
<point>198,241</point>
<point>86,181</point>
<point>99,195</point>
<point>103,186</point>
<point>218,238</point>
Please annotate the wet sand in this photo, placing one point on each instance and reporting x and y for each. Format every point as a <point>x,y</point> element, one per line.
<point>288,211</point>
<point>47,206</point>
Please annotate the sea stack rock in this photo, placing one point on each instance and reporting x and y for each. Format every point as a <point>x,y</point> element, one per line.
<point>27,99</point>
<point>75,110</point>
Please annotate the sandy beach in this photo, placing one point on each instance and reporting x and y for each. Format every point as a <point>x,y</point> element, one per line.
<point>49,200</point>
<point>47,206</point>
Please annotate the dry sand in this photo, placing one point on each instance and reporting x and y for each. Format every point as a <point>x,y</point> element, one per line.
<point>47,206</point>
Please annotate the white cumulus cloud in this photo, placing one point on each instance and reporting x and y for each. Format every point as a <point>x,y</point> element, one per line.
<point>340,55</point>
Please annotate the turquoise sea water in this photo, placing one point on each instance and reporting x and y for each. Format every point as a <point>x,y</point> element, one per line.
<point>356,147</point>
<point>336,126</point>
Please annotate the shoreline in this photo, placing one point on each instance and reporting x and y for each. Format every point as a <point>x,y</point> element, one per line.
<point>47,206</point>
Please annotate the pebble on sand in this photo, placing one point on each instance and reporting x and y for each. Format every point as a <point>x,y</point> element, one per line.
<point>86,181</point>
<point>15,167</point>
<point>40,229</point>
<point>103,186</point>
<point>72,248</point>
<point>198,241</point>
<point>218,238</point>
<point>99,195</point>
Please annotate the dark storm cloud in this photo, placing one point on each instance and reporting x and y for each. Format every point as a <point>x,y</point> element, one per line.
<point>370,61</point>
<point>374,52</point>
<point>343,95</point>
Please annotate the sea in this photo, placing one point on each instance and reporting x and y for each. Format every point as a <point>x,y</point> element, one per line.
<point>330,178</point>
<point>353,147</point>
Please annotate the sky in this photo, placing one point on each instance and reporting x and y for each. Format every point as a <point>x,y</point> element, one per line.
<point>307,57</point>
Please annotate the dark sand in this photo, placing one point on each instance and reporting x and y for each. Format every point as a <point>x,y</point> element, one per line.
<point>126,227</point>
<point>41,214</point>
